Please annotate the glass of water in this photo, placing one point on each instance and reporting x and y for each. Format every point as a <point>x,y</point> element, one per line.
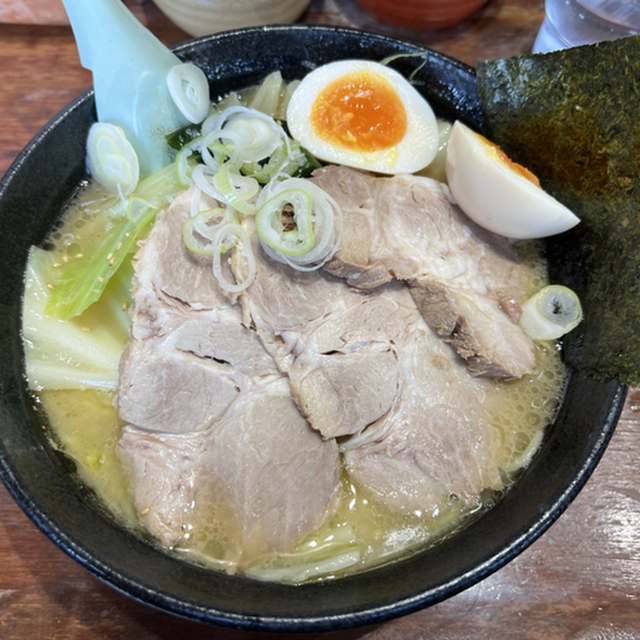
<point>569,23</point>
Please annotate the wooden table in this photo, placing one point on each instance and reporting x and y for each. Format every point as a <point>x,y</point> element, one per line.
<point>580,580</point>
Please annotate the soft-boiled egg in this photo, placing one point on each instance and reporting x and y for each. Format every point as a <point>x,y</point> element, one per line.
<point>499,194</point>
<point>365,115</point>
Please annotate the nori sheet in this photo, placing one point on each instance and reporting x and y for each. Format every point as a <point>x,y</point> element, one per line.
<point>573,118</point>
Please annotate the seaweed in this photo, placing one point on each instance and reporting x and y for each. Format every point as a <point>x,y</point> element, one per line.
<point>180,137</point>
<point>573,118</point>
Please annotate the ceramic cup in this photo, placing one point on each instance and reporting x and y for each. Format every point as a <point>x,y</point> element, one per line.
<point>204,17</point>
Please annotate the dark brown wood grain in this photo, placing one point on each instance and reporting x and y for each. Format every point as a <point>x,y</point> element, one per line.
<point>580,580</point>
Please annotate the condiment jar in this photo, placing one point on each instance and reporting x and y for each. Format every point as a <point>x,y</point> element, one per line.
<point>421,14</point>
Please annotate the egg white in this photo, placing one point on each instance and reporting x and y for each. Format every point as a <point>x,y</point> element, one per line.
<point>414,152</point>
<point>495,196</point>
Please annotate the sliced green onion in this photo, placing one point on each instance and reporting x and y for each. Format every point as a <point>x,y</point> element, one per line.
<point>238,191</point>
<point>261,136</point>
<point>256,134</point>
<point>184,162</point>
<point>189,89</point>
<point>215,152</point>
<point>228,236</point>
<point>551,313</point>
<point>200,231</point>
<point>326,219</point>
<point>254,144</point>
<point>112,160</point>
<point>202,175</point>
<point>272,231</point>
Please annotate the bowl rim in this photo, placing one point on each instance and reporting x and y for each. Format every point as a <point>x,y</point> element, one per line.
<point>612,394</point>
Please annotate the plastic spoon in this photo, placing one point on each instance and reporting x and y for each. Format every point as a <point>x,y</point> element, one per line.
<point>130,67</point>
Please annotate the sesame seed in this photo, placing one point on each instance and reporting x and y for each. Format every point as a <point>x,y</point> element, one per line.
<point>145,511</point>
<point>100,279</point>
<point>86,329</point>
<point>51,286</point>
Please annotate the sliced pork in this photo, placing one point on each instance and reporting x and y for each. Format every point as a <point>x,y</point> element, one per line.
<point>189,348</point>
<point>164,389</point>
<point>260,479</point>
<point>436,442</point>
<point>214,443</point>
<point>234,408</point>
<point>336,344</point>
<point>489,341</point>
<point>405,227</point>
<point>365,364</point>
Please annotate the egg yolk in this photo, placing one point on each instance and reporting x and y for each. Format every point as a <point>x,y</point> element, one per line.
<point>496,153</point>
<point>360,111</point>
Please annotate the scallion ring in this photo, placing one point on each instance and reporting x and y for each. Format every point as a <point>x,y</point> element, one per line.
<point>259,134</point>
<point>296,241</point>
<point>199,232</point>
<point>202,176</point>
<point>233,235</point>
<point>551,313</point>
<point>238,191</point>
<point>184,166</point>
<point>189,88</point>
<point>215,152</point>
<point>326,218</point>
<point>112,160</point>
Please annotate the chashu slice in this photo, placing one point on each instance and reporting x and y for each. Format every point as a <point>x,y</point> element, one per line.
<point>405,227</point>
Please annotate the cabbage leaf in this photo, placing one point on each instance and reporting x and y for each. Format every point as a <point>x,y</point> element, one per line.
<point>78,353</point>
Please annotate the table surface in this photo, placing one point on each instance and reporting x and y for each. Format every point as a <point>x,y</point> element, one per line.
<point>580,580</point>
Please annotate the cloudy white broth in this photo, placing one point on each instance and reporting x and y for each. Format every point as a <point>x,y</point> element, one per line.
<point>294,420</point>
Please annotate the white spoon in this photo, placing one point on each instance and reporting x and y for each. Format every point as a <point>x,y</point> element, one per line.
<point>130,67</point>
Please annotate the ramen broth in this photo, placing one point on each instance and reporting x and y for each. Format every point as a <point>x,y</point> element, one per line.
<point>87,428</point>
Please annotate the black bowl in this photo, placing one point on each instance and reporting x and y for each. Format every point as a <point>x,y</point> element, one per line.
<point>31,196</point>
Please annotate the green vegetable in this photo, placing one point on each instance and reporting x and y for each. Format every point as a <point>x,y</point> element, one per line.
<point>551,313</point>
<point>572,117</point>
<point>112,160</point>
<point>183,136</point>
<point>318,555</point>
<point>269,95</point>
<point>199,232</point>
<point>79,282</point>
<point>296,241</point>
<point>189,88</point>
<point>79,353</point>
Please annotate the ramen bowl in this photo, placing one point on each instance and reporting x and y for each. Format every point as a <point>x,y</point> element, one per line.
<point>43,482</point>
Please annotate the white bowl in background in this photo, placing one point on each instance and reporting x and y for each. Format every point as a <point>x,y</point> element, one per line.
<point>204,17</point>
